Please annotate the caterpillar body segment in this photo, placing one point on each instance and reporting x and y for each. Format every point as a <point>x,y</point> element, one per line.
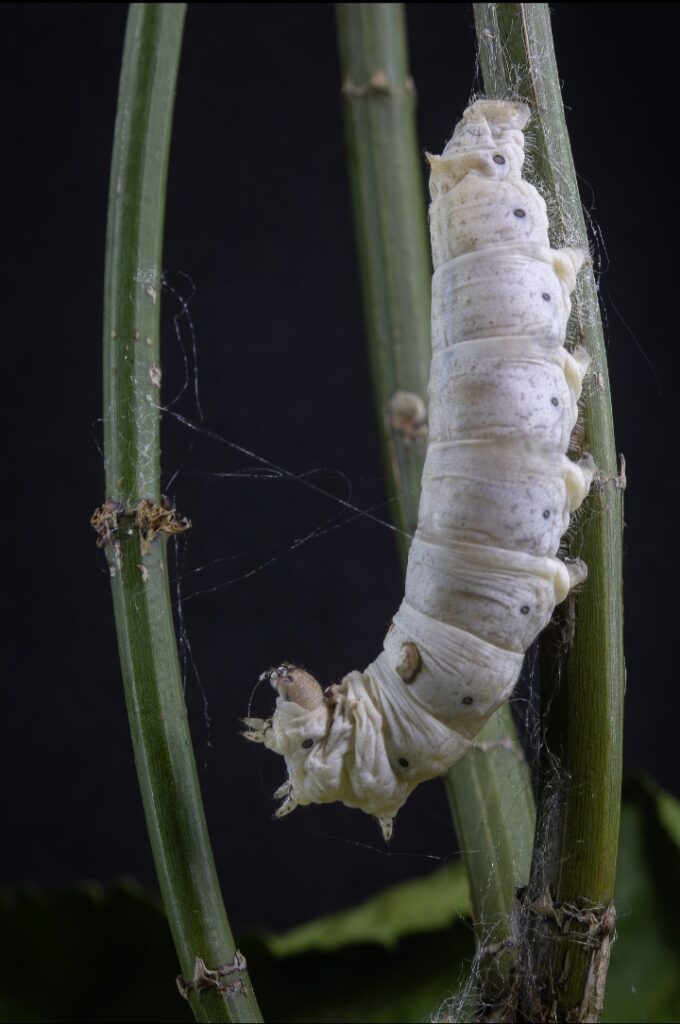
<point>498,490</point>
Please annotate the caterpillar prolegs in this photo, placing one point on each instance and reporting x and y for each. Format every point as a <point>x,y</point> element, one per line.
<point>498,490</point>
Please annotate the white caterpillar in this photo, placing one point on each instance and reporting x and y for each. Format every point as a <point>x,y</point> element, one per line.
<point>498,489</point>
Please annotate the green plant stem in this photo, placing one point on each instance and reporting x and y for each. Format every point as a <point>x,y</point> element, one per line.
<point>493,807</point>
<point>390,217</point>
<point>390,222</point>
<point>141,596</point>
<point>569,901</point>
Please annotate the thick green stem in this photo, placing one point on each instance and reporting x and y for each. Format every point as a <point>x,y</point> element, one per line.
<point>568,906</point>
<point>215,983</point>
<point>385,167</point>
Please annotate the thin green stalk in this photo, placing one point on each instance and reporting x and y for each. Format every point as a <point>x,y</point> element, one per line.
<point>492,802</point>
<point>568,906</point>
<point>134,522</point>
<point>385,168</point>
<point>390,222</point>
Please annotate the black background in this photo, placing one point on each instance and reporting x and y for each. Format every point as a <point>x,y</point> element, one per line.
<point>258,219</point>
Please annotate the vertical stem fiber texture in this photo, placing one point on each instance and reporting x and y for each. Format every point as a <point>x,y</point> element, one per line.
<point>390,221</point>
<point>214,981</point>
<point>568,906</point>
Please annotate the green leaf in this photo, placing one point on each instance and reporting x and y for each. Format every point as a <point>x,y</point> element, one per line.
<point>421,905</point>
<point>669,814</point>
<point>365,983</point>
<point>644,974</point>
<point>392,959</point>
<point>87,954</point>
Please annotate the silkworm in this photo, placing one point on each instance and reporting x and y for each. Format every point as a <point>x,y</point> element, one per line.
<point>497,494</point>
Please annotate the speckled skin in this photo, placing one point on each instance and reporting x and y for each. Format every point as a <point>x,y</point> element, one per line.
<point>498,490</point>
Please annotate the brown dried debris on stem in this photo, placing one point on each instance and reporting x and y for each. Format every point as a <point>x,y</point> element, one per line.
<point>149,517</point>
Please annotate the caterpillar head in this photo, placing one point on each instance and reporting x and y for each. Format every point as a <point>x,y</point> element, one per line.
<point>333,746</point>
<point>294,684</point>
<point>297,729</point>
